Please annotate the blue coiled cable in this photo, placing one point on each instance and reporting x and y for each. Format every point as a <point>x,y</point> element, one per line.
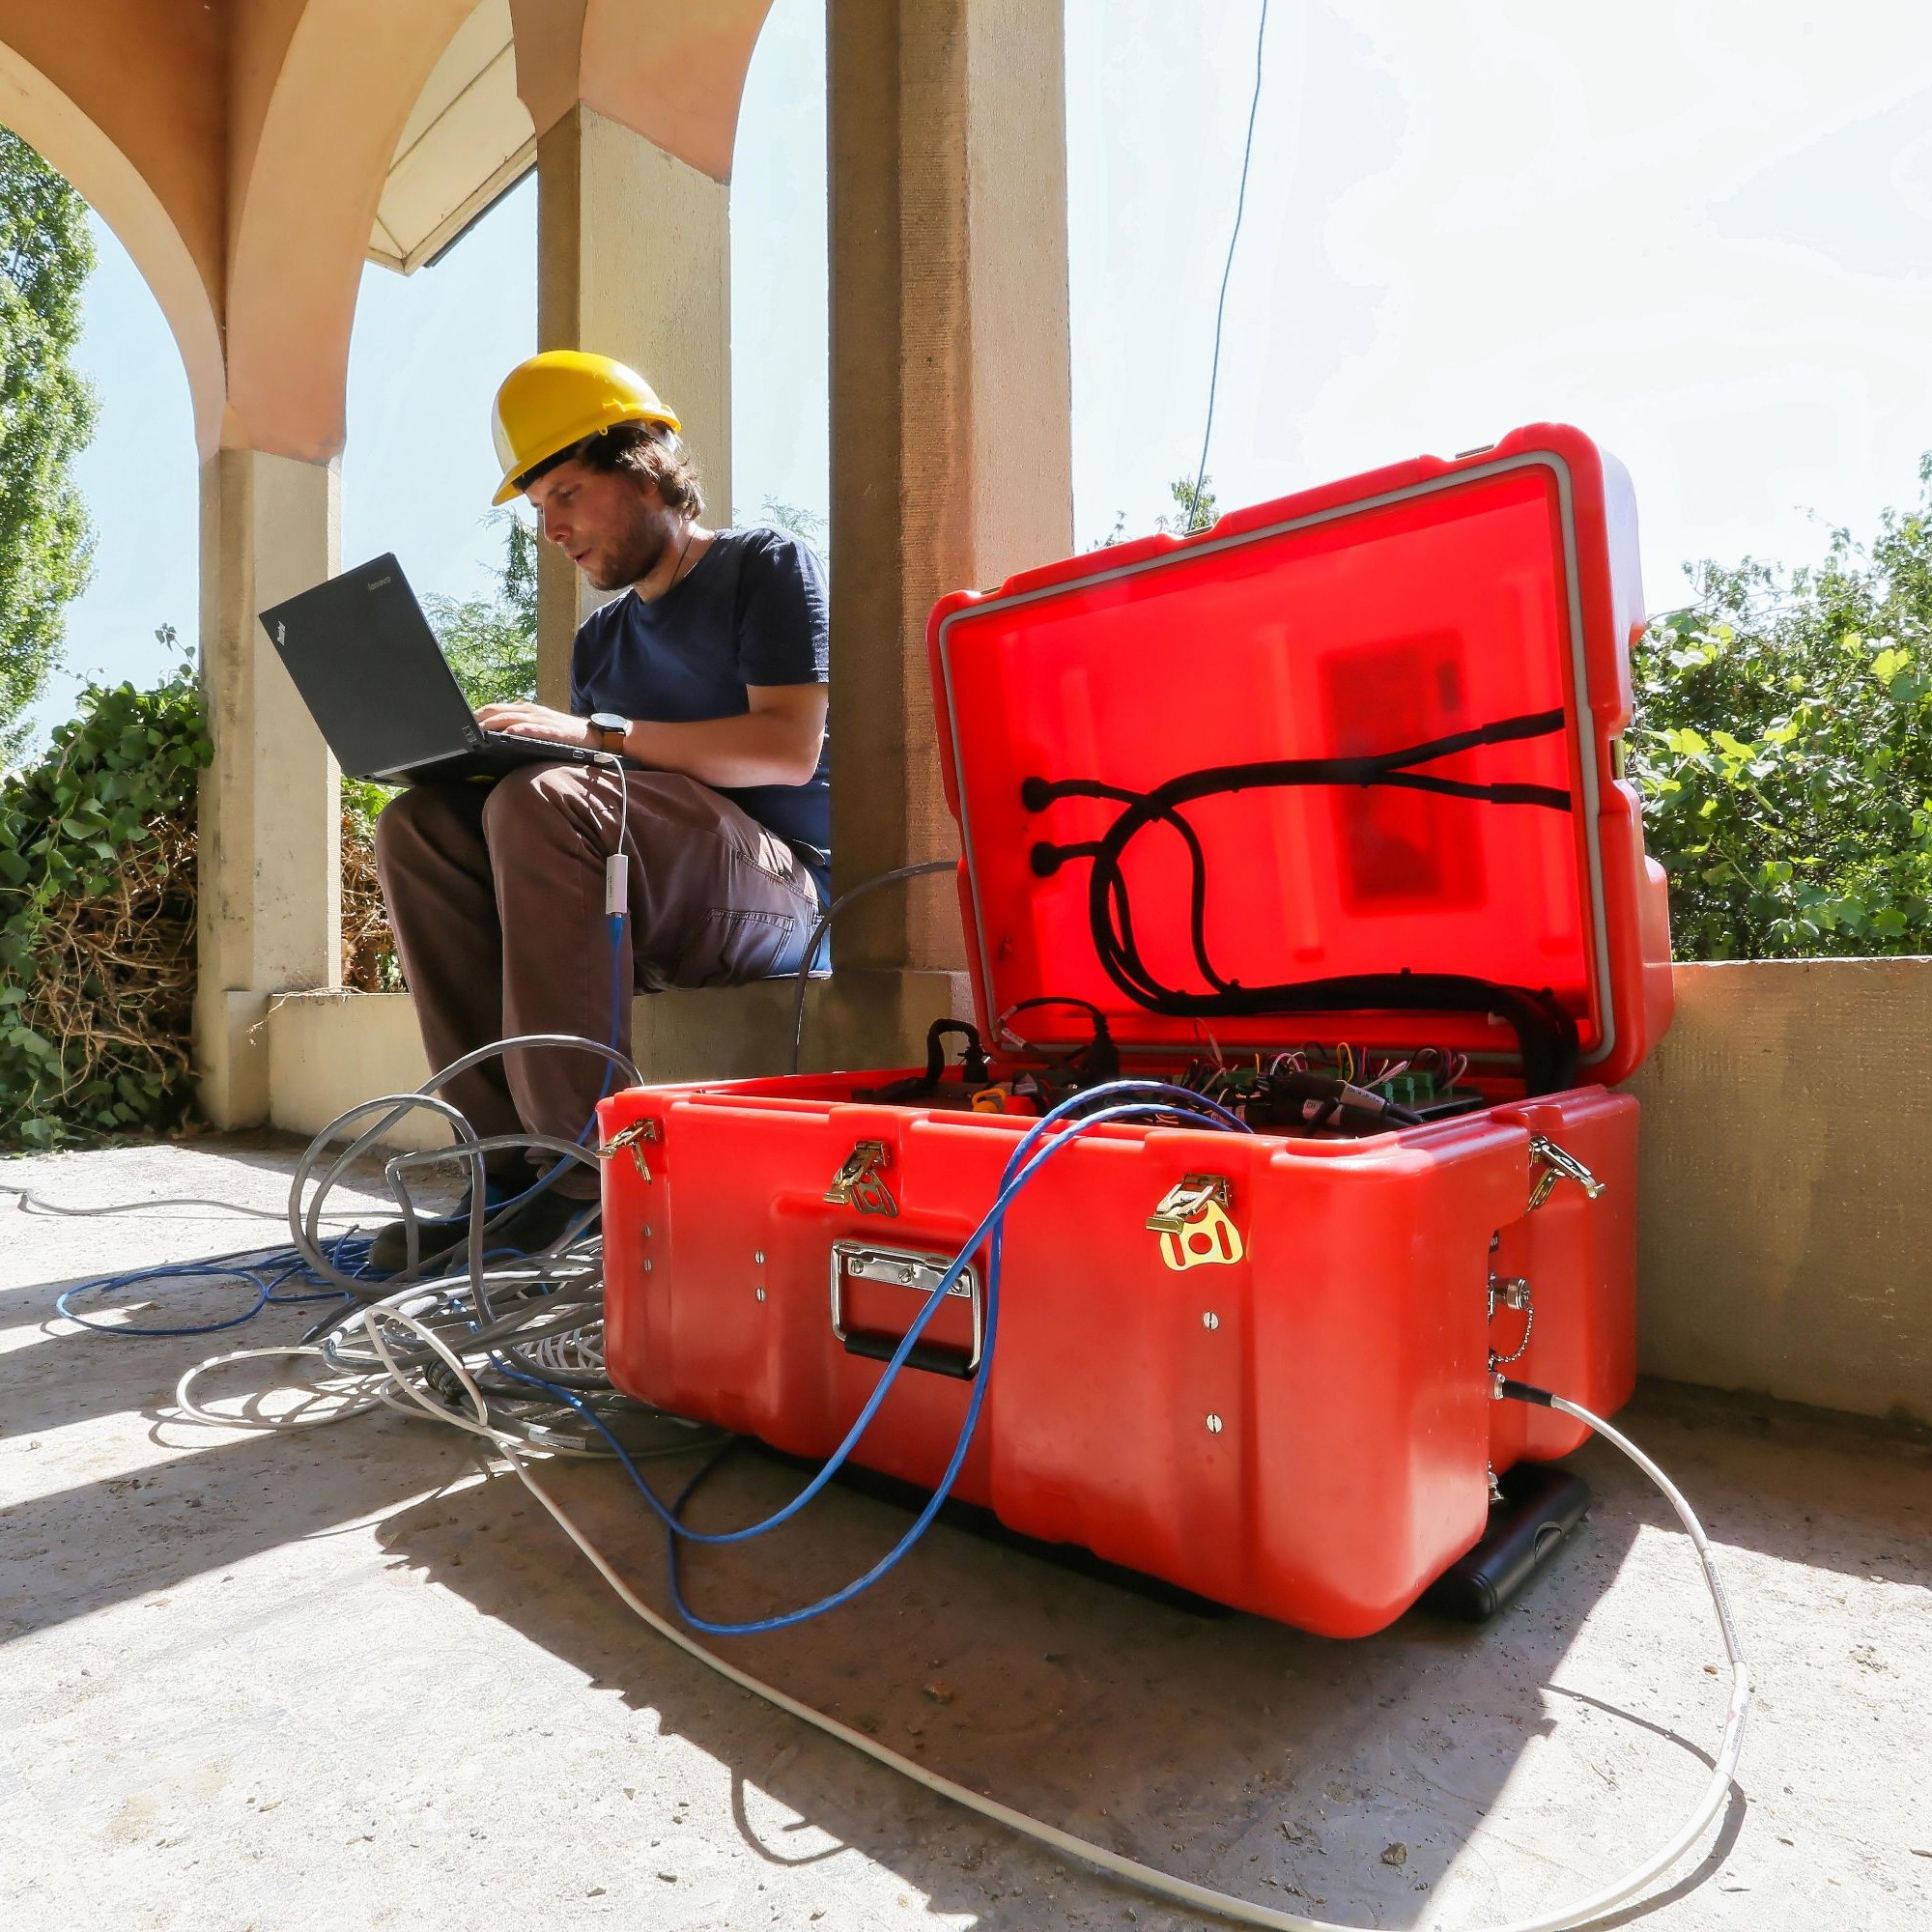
<point>265,1269</point>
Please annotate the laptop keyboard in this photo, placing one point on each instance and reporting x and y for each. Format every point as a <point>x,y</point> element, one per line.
<point>522,741</point>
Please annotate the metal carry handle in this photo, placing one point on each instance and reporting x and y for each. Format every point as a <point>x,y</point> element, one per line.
<point>904,1268</point>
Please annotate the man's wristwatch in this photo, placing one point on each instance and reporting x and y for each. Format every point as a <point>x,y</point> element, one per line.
<point>608,731</point>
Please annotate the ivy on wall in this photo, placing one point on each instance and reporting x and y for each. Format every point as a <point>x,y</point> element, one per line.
<point>96,920</point>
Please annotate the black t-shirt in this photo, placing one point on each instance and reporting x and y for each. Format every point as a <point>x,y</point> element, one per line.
<point>750,611</point>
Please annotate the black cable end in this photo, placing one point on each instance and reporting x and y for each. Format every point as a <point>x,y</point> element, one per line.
<point>1527,1392</point>
<point>1045,857</point>
<point>1036,794</point>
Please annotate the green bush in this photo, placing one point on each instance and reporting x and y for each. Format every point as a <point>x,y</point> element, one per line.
<point>369,962</point>
<point>96,920</point>
<point>491,642</point>
<point>1783,743</point>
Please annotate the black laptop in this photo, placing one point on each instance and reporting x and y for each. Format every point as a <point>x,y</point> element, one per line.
<point>377,684</point>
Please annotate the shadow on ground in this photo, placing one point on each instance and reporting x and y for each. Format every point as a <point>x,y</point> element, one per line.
<point>1340,1779</point>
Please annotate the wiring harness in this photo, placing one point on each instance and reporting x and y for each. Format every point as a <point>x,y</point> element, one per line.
<point>1545,1033</point>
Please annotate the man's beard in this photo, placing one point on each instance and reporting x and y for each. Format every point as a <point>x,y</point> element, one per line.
<point>644,549</point>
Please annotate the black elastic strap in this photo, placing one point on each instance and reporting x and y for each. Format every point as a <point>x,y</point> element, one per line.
<point>1367,769</point>
<point>1545,1035</point>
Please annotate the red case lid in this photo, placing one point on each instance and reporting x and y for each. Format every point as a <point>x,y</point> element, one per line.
<point>1389,611</point>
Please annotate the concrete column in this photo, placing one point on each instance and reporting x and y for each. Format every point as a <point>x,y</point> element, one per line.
<point>952,399</point>
<point>634,260</point>
<point>270,853</point>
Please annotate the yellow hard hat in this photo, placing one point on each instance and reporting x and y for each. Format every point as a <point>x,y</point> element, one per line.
<point>560,397</point>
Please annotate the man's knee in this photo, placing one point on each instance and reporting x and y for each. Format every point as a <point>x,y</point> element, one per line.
<point>424,828</point>
<point>540,802</point>
<point>411,821</point>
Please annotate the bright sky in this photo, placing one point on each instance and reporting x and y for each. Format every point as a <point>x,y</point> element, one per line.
<point>1700,229</point>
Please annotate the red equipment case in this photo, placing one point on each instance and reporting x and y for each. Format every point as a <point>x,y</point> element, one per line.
<point>1280,1395</point>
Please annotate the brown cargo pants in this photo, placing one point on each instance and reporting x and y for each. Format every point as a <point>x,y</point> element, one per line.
<point>496,895</point>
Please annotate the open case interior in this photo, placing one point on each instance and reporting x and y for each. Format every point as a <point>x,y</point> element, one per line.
<point>1317,814</point>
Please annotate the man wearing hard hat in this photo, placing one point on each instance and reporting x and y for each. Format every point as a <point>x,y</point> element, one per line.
<point>708,671</point>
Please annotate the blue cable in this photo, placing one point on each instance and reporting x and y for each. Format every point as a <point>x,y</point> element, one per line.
<point>349,1252</point>
<point>1154,1096</point>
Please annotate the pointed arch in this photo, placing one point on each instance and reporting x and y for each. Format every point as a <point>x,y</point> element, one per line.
<point>309,185</point>
<point>42,114</point>
<point>674,75</point>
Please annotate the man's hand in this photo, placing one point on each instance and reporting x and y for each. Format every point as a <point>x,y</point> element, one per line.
<point>536,721</point>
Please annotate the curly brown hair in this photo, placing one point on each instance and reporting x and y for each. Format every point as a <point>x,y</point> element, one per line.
<point>649,451</point>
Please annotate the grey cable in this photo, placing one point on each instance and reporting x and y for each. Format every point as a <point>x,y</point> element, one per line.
<point>1228,269</point>
<point>434,1376</point>
<point>539,1314</point>
<point>1152,1879</point>
<point>825,919</point>
<point>32,1203</point>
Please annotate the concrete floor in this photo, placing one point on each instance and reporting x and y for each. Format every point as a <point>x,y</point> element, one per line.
<point>350,1679</point>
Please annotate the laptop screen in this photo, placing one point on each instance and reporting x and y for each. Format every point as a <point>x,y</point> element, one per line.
<point>368,666</point>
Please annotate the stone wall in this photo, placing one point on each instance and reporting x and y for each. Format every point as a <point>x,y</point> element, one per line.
<point>1785,1230</point>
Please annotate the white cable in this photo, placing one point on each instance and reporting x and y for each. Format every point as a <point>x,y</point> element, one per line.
<point>360,1402</point>
<point>1149,1878</point>
<point>37,1204</point>
<point>394,1387</point>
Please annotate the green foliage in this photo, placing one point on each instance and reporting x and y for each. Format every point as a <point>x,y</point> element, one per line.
<point>806,525</point>
<point>491,642</point>
<point>97,919</point>
<point>46,417</point>
<point>1784,744</point>
<point>1190,513</point>
<point>362,799</point>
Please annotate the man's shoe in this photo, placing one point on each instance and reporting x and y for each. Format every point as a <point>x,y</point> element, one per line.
<point>444,1238</point>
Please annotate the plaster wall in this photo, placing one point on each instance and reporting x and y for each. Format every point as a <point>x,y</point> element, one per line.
<point>634,260</point>
<point>271,854</point>
<point>1786,1222</point>
<point>951,392</point>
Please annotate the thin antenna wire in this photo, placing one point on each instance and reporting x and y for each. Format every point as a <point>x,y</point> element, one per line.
<point>1221,308</point>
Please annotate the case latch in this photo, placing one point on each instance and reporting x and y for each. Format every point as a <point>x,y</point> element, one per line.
<point>1557,1165</point>
<point>859,1184</point>
<point>1193,1224</point>
<point>632,1137</point>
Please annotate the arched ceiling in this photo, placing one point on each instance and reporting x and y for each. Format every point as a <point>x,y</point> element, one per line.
<point>468,138</point>
<point>252,154</point>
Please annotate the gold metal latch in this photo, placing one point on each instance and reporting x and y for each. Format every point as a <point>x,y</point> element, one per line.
<point>1554,1165</point>
<point>1194,1226</point>
<point>633,1137</point>
<point>859,1183</point>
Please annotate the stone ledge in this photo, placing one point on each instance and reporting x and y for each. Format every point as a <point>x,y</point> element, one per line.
<point>329,1050</point>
